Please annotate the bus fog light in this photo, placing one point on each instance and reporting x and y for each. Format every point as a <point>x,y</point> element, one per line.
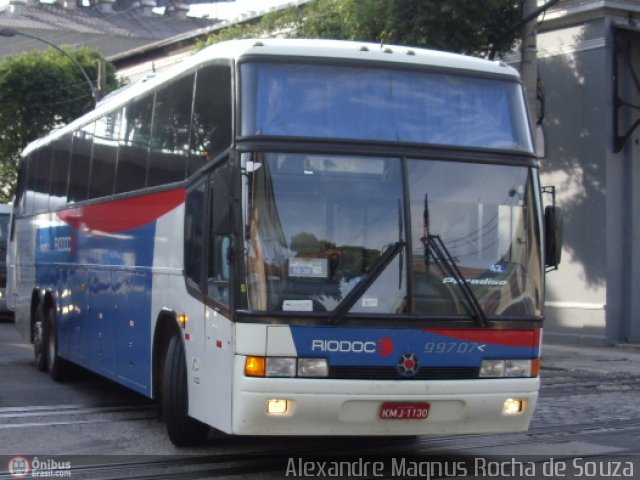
<point>517,368</point>
<point>277,407</point>
<point>313,367</point>
<point>281,367</point>
<point>513,406</point>
<point>492,368</point>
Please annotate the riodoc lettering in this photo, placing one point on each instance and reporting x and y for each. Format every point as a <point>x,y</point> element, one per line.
<point>343,346</point>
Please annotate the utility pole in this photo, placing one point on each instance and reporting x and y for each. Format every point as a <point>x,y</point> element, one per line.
<point>529,60</point>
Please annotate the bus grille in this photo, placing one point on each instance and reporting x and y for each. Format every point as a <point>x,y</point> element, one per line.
<point>390,373</point>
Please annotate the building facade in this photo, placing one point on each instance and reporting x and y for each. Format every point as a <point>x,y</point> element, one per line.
<point>589,65</point>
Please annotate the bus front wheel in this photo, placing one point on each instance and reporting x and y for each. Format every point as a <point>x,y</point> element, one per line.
<point>183,430</point>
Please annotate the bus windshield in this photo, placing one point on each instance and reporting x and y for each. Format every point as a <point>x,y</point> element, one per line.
<point>377,104</point>
<point>317,225</point>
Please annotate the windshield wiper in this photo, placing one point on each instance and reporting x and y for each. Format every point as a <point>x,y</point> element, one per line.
<point>374,272</point>
<point>447,264</point>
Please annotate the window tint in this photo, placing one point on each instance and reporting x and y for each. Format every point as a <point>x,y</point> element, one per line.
<point>170,136</point>
<point>60,171</point>
<point>43,159</point>
<point>105,154</point>
<point>133,149</point>
<point>194,236</point>
<point>80,163</point>
<point>211,127</point>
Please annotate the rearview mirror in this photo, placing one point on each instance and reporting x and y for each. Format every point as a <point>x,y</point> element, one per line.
<point>553,228</point>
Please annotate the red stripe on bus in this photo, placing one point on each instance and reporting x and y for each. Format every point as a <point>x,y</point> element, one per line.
<point>123,215</point>
<point>511,338</point>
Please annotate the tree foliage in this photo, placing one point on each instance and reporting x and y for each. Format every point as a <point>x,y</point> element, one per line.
<point>464,26</point>
<point>40,91</point>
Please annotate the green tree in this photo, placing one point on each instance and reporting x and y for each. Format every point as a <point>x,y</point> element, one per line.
<point>40,91</point>
<point>464,26</point>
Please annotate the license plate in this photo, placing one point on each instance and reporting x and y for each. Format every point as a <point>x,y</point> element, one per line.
<point>404,411</point>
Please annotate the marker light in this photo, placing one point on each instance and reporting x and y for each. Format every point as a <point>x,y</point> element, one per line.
<point>513,406</point>
<point>183,319</point>
<point>255,366</point>
<point>277,407</point>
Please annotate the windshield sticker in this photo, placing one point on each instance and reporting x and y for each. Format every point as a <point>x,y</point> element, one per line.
<point>370,302</point>
<point>476,281</point>
<point>297,306</point>
<point>308,268</point>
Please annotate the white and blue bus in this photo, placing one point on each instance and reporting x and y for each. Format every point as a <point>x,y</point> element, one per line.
<point>295,237</point>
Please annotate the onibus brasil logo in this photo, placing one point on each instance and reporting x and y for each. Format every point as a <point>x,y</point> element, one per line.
<point>21,467</point>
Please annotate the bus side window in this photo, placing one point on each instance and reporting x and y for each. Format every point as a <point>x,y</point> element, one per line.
<point>170,133</point>
<point>43,159</point>
<point>133,145</point>
<point>80,164</point>
<point>105,153</point>
<point>218,268</point>
<point>60,171</point>
<point>194,219</point>
<point>211,121</point>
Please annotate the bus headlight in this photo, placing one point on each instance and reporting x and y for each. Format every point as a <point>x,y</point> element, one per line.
<point>281,367</point>
<point>286,367</point>
<point>313,367</point>
<point>506,368</point>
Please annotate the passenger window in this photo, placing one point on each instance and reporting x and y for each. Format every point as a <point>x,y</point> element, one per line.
<point>105,154</point>
<point>170,136</point>
<point>42,159</point>
<point>30,168</point>
<point>194,219</point>
<point>60,172</point>
<point>80,164</point>
<point>133,146</point>
<point>211,125</point>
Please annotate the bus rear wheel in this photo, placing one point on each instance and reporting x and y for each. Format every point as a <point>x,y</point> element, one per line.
<point>39,348</point>
<point>59,369</point>
<point>182,429</point>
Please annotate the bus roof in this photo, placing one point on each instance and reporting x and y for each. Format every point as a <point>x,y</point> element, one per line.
<point>236,50</point>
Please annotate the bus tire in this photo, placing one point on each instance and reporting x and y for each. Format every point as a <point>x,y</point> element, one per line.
<point>57,366</point>
<point>39,341</point>
<point>183,430</point>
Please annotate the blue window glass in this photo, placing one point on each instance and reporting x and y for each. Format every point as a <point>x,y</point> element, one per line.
<point>341,102</point>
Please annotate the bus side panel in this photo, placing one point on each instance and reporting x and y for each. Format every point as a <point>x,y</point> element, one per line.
<point>97,262</point>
